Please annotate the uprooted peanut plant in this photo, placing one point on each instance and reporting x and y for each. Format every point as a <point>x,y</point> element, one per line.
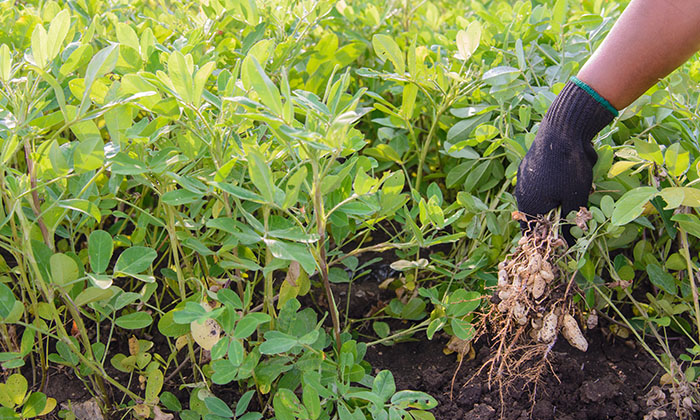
<point>532,306</point>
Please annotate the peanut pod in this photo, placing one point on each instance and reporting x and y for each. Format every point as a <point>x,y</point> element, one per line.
<point>549,328</point>
<point>538,287</point>
<point>572,333</point>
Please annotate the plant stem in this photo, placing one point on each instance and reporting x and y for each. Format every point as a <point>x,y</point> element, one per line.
<point>322,264</point>
<point>426,146</point>
<point>407,331</point>
<point>34,202</point>
<point>180,276</point>
<point>268,290</point>
<point>691,278</point>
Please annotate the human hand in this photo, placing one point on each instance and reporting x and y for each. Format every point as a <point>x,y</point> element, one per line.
<point>558,168</point>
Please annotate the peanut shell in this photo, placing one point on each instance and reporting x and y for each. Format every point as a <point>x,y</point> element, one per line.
<point>572,333</point>
<point>549,328</point>
<point>538,287</point>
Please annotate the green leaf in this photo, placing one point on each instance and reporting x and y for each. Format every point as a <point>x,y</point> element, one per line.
<point>293,187</point>
<point>277,342</point>
<point>363,183</point>
<point>558,14</point>
<point>134,321</point>
<point>82,206</point>
<point>662,279</point>
<point>249,323</point>
<point>154,383</point>
<point>413,399</point>
<point>93,294</point>
<point>243,402</point>
<point>180,197</point>
<point>7,301</point>
<point>135,260</point>
<point>64,269</point>
<point>170,401</point>
<point>408,101</point>
<point>631,205</point>
<point>193,311</point>
<point>34,405</point>
<point>57,34</point>
<point>677,159</point>
<point>39,46</point>
<point>127,36</point>
<point>462,302</point>
<point>7,413</point>
<point>100,248</point>
<point>500,75</point>
<point>180,74</point>
<point>229,297</point>
<point>169,328</point>
<point>200,79</point>
<point>5,63</point>
<point>103,62</point>
<point>387,49</point>
<point>312,401</point>
<point>239,192</point>
<point>88,154</point>
<point>147,43</point>
<point>688,222</point>
<point>462,329</point>
<point>123,164</point>
<point>649,151</point>
<point>218,407</point>
<point>292,252</point>
<point>384,385</point>
<point>268,92</point>
<point>76,59</point>
<point>261,175</point>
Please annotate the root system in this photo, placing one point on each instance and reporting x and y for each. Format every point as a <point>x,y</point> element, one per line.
<point>531,306</point>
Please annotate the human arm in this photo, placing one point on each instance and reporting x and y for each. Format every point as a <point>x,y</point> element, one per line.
<point>651,38</point>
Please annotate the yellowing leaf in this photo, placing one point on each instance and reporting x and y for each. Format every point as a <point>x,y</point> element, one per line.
<point>50,405</point>
<point>268,92</point>
<point>142,411</point>
<point>676,196</point>
<point>133,345</point>
<point>206,333</point>
<point>16,388</point>
<point>64,269</point>
<point>5,63</point>
<point>631,205</point>
<point>620,167</point>
<point>296,283</point>
<point>387,49</point>
<point>468,41</point>
<point>677,159</point>
<point>39,46</point>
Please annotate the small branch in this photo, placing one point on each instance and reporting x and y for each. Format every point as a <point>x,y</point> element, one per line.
<point>34,202</point>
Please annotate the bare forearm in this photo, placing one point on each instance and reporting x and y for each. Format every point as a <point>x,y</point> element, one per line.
<point>650,39</point>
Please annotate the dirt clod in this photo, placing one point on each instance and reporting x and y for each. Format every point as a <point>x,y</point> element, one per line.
<point>481,412</point>
<point>597,390</point>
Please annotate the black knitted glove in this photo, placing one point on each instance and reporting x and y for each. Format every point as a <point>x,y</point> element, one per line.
<point>558,168</point>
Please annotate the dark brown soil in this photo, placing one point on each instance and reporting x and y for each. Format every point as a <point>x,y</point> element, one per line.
<point>609,381</point>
